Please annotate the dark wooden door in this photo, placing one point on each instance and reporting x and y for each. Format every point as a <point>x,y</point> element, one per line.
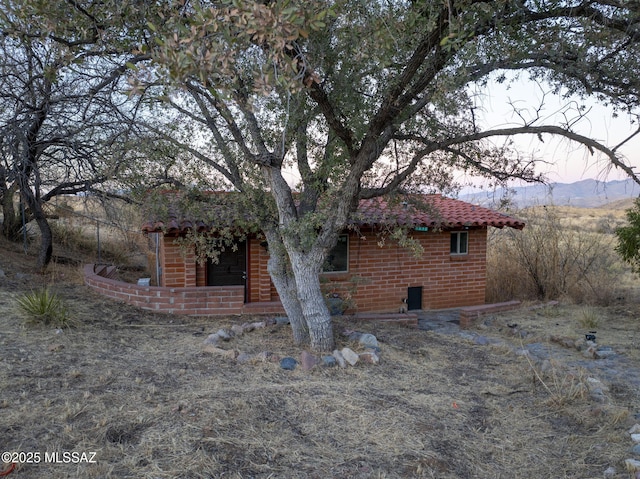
<point>231,268</point>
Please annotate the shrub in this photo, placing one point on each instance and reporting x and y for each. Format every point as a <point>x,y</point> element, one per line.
<point>588,318</point>
<point>549,260</point>
<point>43,306</point>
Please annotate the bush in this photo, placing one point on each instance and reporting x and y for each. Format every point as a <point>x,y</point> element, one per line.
<point>548,260</point>
<point>629,237</point>
<point>43,306</point>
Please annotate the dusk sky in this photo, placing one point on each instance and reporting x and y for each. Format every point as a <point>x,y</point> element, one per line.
<point>568,161</point>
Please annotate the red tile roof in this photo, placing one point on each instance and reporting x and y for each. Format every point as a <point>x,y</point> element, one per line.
<point>431,211</point>
<point>434,211</point>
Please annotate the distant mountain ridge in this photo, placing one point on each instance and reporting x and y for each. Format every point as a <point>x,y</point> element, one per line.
<point>585,194</point>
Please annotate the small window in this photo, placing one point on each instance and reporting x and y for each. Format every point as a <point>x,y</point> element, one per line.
<point>459,242</point>
<point>338,258</point>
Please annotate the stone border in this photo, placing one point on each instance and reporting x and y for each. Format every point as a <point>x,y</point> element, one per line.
<point>343,358</point>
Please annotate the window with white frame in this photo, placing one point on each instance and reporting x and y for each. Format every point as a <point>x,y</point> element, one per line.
<point>338,258</point>
<point>459,242</point>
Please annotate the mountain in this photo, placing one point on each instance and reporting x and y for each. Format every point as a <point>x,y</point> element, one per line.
<point>585,193</point>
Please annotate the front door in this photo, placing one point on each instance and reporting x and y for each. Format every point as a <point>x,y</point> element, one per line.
<point>231,268</point>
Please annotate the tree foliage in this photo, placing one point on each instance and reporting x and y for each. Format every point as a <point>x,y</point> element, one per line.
<point>629,237</point>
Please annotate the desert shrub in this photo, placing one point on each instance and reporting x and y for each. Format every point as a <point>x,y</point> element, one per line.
<point>72,237</point>
<point>588,318</point>
<point>43,306</point>
<point>547,260</point>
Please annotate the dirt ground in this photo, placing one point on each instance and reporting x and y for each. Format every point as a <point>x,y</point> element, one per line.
<point>133,395</point>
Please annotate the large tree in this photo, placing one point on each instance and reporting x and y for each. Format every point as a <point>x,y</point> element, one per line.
<point>361,98</point>
<point>65,125</point>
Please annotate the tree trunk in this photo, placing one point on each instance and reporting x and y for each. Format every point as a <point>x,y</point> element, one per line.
<point>46,236</point>
<point>306,270</point>
<point>283,280</point>
<point>46,242</point>
<point>306,265</point>
<point>11,224</point>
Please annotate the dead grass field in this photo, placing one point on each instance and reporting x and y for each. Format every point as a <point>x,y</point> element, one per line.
<point>137,389</point>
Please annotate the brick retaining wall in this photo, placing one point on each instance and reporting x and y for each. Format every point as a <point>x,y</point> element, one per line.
<point>195,301</point>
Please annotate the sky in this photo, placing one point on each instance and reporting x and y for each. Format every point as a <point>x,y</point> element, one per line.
<point>567,161</point>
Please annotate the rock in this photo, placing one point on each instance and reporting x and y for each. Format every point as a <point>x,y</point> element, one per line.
<point>258,325</point>
<point>2,275</point>
<point>594,383</point>
<point>368,340</point>
<point>481,340</point>
<point>590,352</point>
<point>636,450</point>
<point>340,359</point>
<point>610,472</point>
<point>212,339</point>
<point>288,363</point>
<point>282,321</point>
<point>635,437</point>
<point>225,353</point>
<point>635,429</point>
<point>308,361</point>
<point>56,347</point>
<point>632,465</point>
<point>224,334</point>
<point>350,356</point>
<point>354,335</point>
<point>237,329</point>
<point>603,353</point>
<point>522,352</point>
<point>329,361</point>
<point>369,357</point>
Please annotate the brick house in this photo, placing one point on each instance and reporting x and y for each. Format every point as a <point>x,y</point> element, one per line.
<point>367,269</point>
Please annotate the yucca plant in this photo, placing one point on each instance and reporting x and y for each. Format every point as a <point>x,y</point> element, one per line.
<point>44,306</point>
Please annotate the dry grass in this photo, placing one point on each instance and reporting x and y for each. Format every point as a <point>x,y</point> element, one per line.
<point>137,389</point>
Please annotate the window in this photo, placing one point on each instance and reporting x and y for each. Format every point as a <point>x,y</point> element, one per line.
<point>338,258</point>
<point>459,242</point>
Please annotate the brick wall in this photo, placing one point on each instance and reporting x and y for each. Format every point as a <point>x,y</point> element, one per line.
<point>196,301</point>
<point>387,272</point>
<point>178,264</point>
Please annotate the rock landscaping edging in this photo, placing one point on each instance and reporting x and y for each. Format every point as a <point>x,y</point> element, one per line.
<point>367,345</point>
